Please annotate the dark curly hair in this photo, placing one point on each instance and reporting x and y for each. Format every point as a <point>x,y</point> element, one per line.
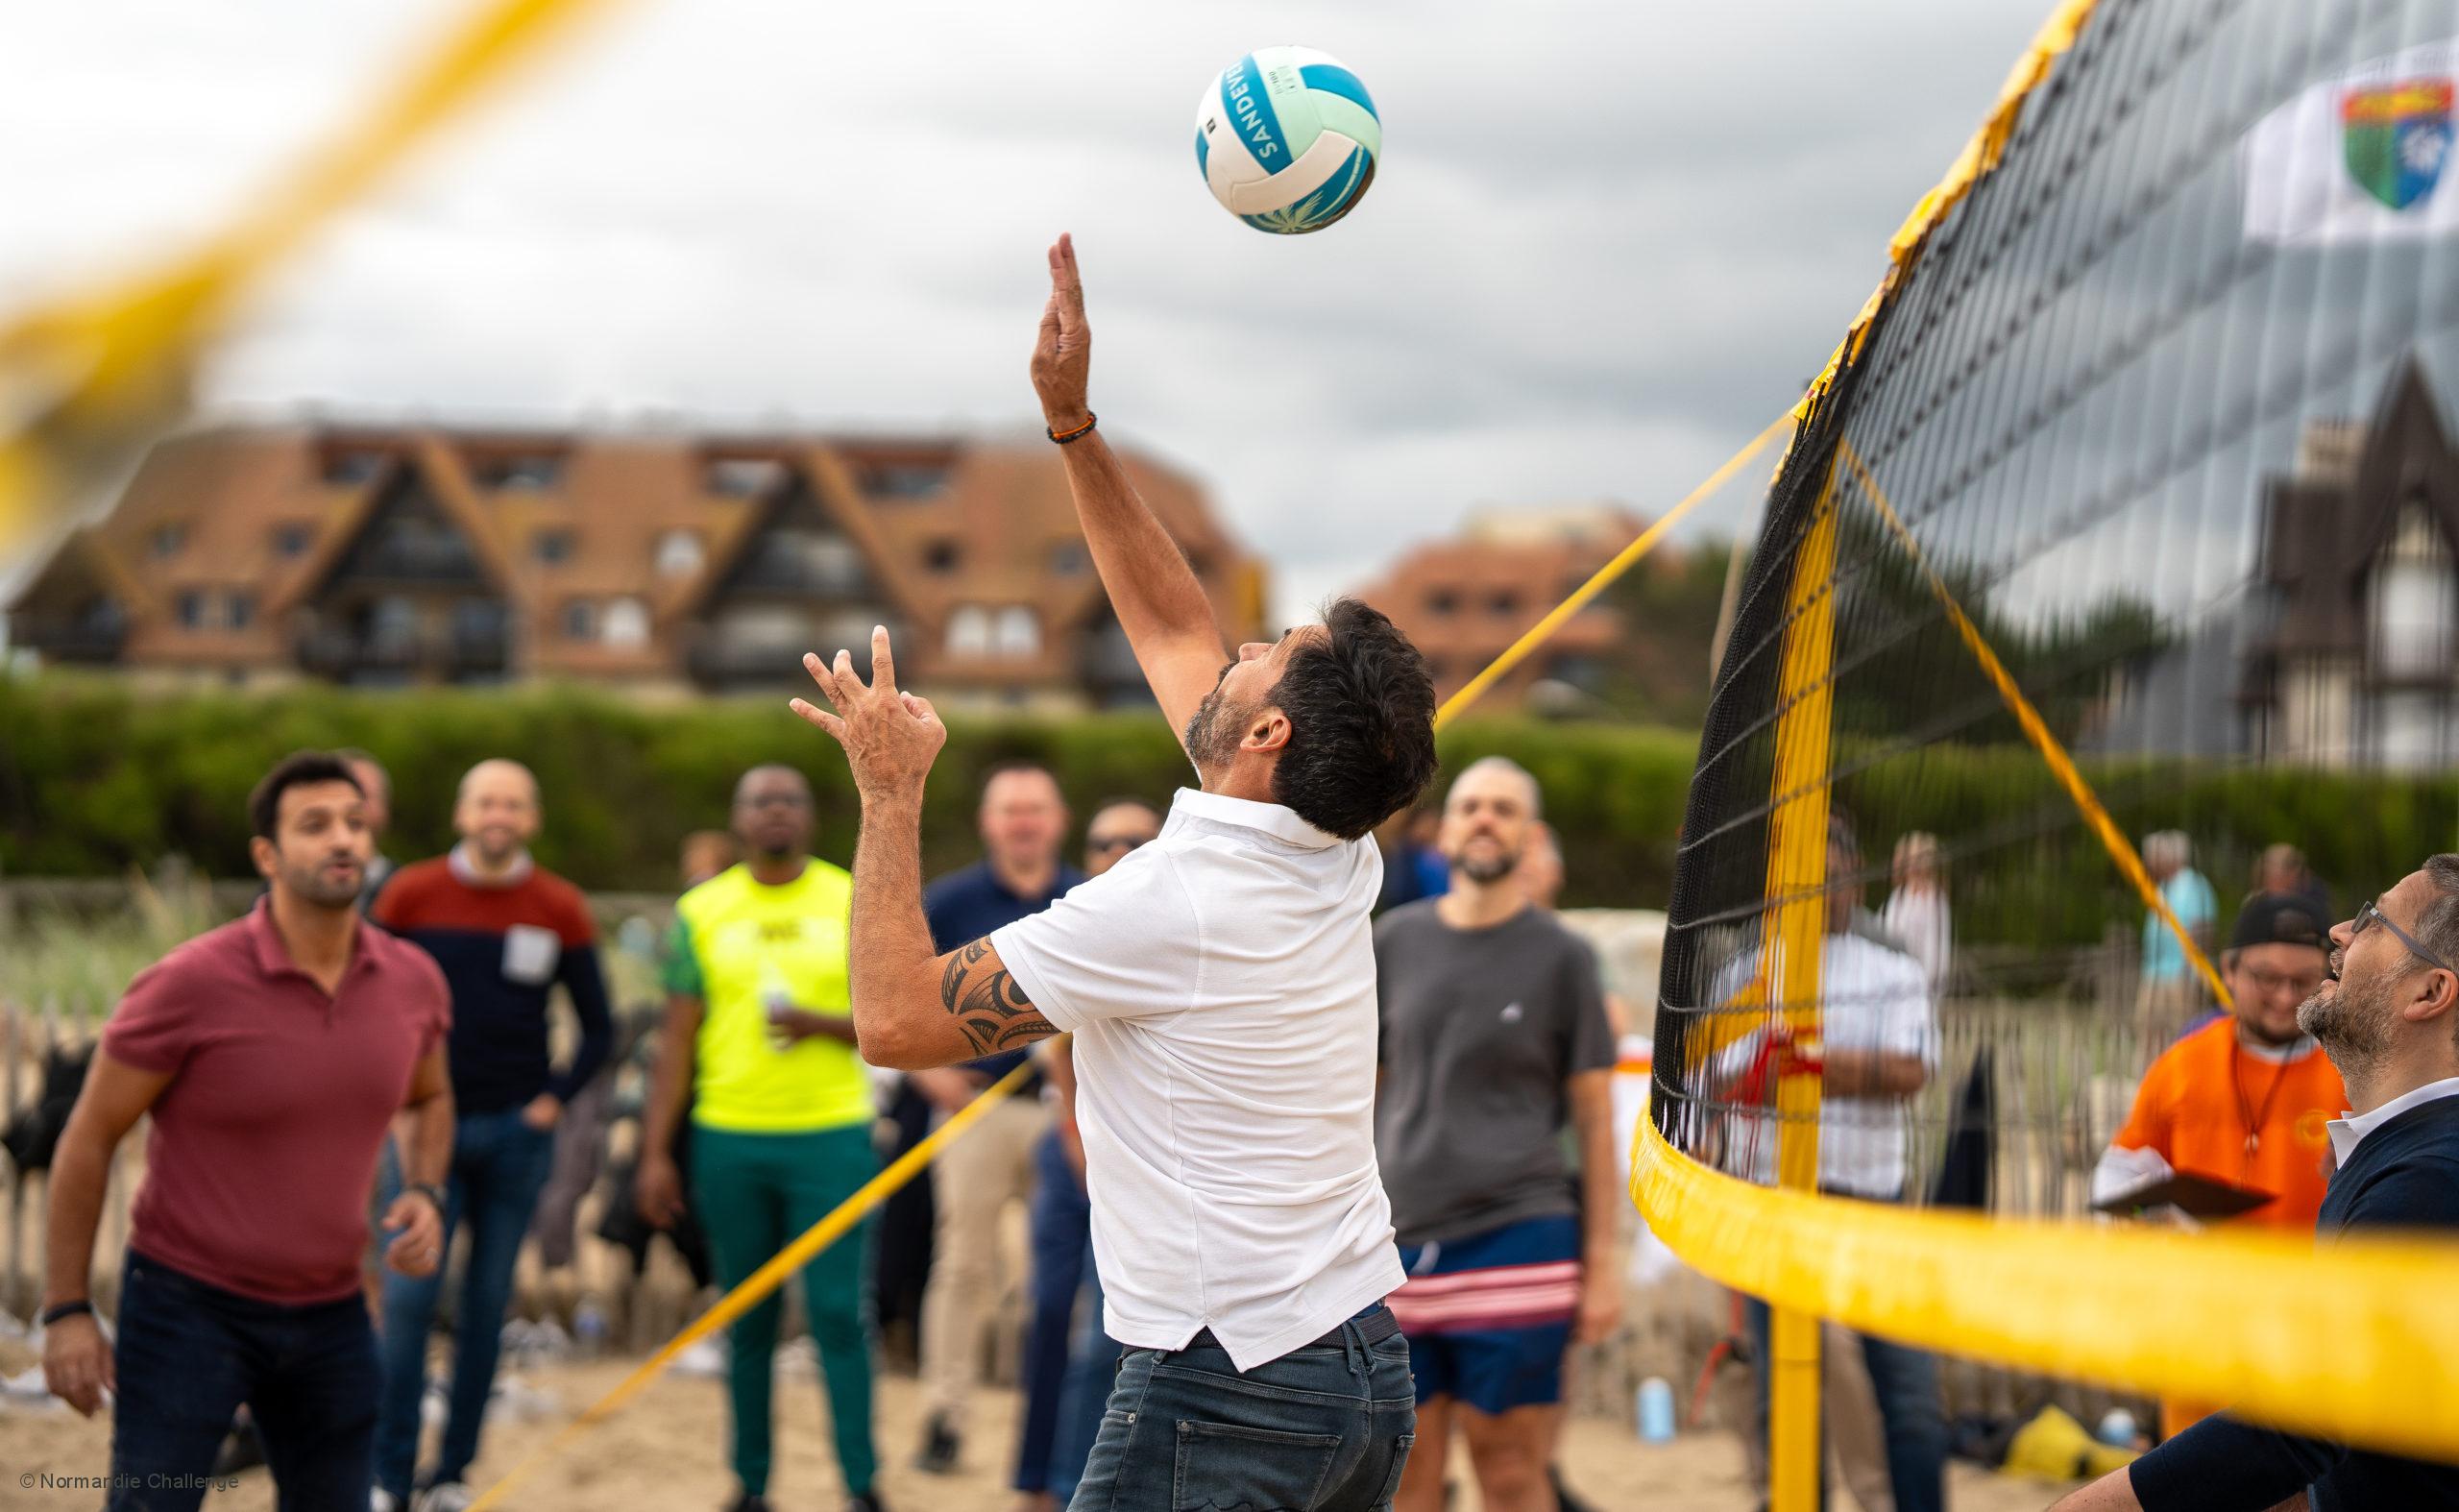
<point>1361,722</point>
<point>296,769</point>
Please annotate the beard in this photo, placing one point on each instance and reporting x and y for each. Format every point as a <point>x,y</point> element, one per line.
<point>1484,865</point>
<point>312,884</point>
<point>1213,731</point>
<point>2347,1021</point>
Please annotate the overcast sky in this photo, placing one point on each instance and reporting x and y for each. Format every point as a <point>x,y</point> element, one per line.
<point>1607,242</point>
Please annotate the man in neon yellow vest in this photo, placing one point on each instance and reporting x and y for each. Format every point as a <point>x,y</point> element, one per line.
<point>757,1023</point>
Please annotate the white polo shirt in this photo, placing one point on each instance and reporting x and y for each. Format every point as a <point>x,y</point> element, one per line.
<point>1220,982</point>
<point>1871,998</point>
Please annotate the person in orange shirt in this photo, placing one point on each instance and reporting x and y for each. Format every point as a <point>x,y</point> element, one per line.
<point>2245,1098</point>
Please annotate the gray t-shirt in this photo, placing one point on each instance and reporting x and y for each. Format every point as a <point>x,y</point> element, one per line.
<point>1480,1031</point>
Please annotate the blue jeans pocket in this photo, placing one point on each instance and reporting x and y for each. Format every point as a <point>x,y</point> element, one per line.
<point>1401,1448</point>
<point>1226,1466</point>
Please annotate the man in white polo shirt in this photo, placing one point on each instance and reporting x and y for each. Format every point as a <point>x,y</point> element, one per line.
<point>1220,984</point>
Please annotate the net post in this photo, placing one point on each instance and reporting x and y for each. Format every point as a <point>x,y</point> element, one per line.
<point>1797,892</point>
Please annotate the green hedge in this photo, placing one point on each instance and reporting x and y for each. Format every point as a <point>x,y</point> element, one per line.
<point>96,775</point>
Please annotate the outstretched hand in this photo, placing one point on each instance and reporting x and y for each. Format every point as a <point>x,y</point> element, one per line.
<point>1062,365</point>
<point>890,738</point>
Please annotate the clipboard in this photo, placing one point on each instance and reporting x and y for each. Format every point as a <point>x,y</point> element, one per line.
<point>2197,1196</point>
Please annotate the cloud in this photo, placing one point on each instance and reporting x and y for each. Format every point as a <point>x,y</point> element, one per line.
<point>1608,242</point>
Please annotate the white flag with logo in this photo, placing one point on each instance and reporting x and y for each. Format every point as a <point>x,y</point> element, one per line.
<point>2361,156</point>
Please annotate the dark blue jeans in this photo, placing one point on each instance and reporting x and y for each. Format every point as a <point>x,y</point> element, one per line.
<point>498,1166</point>
<point>188,1354</point>
<point>1061,1226</point>
<point>1906,1383</point>
<point>1326,1428</point>
<point>1092,1363</point>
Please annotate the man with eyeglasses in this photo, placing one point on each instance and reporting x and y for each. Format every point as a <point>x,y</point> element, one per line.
<point>1067,1371</point>
<point>758,1025</point>
<point>2387,1013</point>
<point>2245,1098</point>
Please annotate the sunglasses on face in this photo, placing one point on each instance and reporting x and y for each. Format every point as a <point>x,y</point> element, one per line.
<point>2370,915</point>
<point>1117,843</point>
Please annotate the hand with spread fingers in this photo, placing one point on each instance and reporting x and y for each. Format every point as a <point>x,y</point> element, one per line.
<point>890,738</point>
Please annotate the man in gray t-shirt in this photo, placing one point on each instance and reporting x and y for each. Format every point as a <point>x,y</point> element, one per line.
<point>1494,1041</point>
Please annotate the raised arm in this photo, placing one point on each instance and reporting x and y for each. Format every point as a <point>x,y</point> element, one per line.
<point>1159,601</point>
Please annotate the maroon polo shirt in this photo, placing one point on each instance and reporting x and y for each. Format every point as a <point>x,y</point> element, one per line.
<point>264,1143</point>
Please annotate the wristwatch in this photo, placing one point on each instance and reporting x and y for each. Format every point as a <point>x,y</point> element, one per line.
<point>434,1193</point>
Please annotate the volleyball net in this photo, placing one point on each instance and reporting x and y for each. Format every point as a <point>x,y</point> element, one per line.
<point>2126,506</point>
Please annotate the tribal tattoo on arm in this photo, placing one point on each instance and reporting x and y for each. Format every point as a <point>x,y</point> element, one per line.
<point>987,1004</point>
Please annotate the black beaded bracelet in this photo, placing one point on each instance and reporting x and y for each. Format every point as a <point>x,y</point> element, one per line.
<point>1077,434</point>
<point>64,1309</point>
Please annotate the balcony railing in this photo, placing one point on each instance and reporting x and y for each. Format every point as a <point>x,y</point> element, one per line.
<point>342,652</point>
<point>725,664</point>
<point>70,641</point>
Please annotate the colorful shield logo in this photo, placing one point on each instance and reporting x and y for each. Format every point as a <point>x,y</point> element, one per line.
<point>2395,138</point>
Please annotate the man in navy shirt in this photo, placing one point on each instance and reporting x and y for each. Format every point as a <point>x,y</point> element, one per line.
<point>2388,1016</point>
<point>1024,823</point>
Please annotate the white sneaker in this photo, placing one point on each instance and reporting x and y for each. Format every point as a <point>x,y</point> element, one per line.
<point>450,1496</point>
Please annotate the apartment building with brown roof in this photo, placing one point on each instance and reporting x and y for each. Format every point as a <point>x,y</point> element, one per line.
<point>401,555</point>
<point>1465,599</point>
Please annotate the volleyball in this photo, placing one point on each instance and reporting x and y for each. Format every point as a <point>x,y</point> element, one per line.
<point>1286,139</point>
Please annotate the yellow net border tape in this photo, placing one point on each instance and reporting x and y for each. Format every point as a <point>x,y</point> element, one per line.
<point>1979,156</point>
<point>89,374</point>
<point>2360,1342</point>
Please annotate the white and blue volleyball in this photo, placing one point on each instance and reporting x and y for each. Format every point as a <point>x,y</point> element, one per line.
<point>1286,139</point>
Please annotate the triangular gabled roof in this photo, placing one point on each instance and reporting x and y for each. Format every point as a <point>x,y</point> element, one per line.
<point>823,477</point>
<point>432,464</point>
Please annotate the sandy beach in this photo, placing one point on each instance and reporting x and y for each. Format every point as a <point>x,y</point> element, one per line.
<point>666,1449</point>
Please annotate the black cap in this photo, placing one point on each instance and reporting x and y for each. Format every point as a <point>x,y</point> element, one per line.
<point>2279,918</point>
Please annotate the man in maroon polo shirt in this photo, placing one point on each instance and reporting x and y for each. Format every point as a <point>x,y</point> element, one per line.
<point>272,1053</point>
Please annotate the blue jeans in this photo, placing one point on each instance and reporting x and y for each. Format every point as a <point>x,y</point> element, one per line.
<point>498,1166</point>
<point>1326,1427</point>
<point>1092,1362</point>
<point>1906,1383</point>
<point>188,1354</point>
<point>1061,1225</point>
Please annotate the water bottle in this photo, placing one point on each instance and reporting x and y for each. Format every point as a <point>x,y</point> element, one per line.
<point>1656,1411</point>
<point>589,1328</point>
<point>2117,1428</point>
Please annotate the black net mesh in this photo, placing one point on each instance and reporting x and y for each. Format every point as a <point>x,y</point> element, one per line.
<point>2163,402</point>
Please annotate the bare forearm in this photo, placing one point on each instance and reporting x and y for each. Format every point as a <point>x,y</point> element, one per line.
<point>429,1159</point>
<point>1872,1073</point>
<point>671,1082</point>
<point>79,1170</point>
<point>1154,591</point>
<point>1601,1170</point>
<point>891,953</point>
<point>1601,1182</point>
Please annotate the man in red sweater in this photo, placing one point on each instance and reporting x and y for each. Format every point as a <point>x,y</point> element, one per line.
<point>272,1054</point>
<point>506,932</point>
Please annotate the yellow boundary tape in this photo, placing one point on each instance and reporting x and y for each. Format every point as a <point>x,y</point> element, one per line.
<point>2112,839</point>
<point>1544,629</point>
<point>756,1287</point>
